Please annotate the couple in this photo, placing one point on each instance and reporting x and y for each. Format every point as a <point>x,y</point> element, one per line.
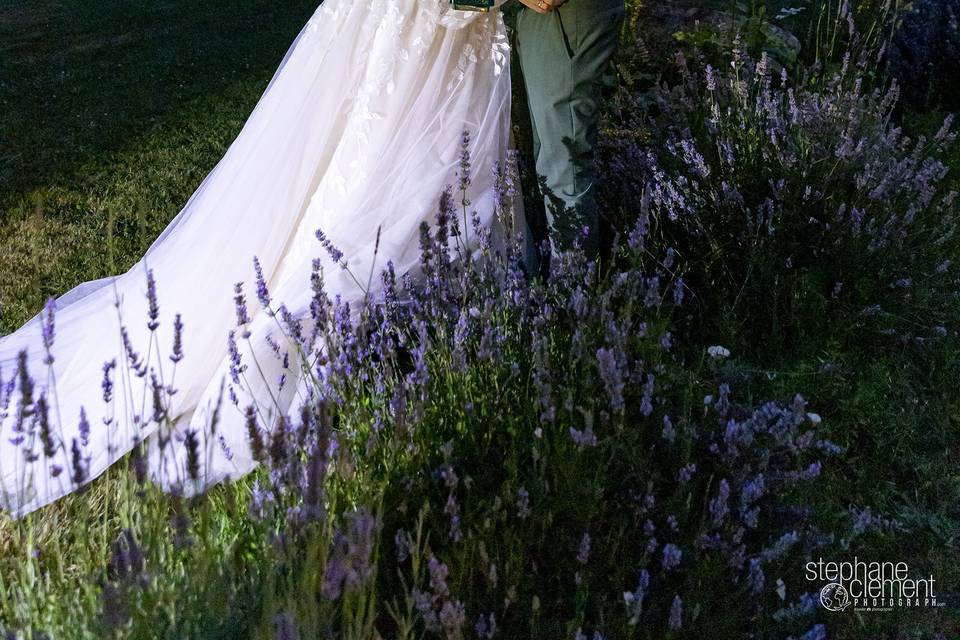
<point>356,135</point>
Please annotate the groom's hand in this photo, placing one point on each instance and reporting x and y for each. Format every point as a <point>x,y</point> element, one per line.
<point>543,6</point>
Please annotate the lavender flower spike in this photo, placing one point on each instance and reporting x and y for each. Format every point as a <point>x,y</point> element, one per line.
<point>676,613</point>
<point>263,293</point>
<point>48,329</point>
<point>335,254</point>
<point>153,311</point>
<point>671,556</point>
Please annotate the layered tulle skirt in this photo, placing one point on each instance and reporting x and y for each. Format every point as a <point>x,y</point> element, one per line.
<point>357,135</point>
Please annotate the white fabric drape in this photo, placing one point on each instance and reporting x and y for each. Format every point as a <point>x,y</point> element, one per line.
<point>358,130</point>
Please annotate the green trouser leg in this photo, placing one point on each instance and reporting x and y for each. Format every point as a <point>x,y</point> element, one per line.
<point>563,55</point>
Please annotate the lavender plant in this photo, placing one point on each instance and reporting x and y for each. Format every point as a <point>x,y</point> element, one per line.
<point>478,454</point>
<point>804,199</point>
<point>817,240</point>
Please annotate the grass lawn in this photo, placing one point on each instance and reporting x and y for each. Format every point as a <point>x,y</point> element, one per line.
<point>111,113</point>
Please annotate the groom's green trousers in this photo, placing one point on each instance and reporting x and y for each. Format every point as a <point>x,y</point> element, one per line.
<point>563,56</point>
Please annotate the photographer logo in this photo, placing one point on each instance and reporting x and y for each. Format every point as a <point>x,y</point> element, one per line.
<point>834,597</point>
<point>871,586</point>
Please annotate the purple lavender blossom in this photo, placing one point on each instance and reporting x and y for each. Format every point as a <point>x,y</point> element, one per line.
<point>671,556</point>
<point>403,543</point>
<point>225,447</point>
<point>806,604</point>
<point>634,600</point>
<point>818,632</point>
<point>176,354</point>
<point>669,432</point>
<point>652,545</point>
<point>718,505</point>
<point>612,376</point>
<point>646,401</point>
<point>679,287</point>
<point>361,537</point>
<point>453,617</point>
<point>584,439</point>
<point>756,578</point>
<point>781,547</point>
<point>523,503</point>
<point>46,432</point>
<point>753,490</point>
<point>583,553</point>
<point>47,330</point>
<point>666,340</point>
<point>153,311</point>
<point>293,327</point>
<point>263,293</point>
<point>423,601</point>
<point>676,614</point>
<point>236,361</point>
<point>336,570</point>
<point>438,576</point>
<point>254,435</point>
<point>240,305</point>
<point>79,465</point>
<point>811,472</point>
<point>84,428</point>
<point>486,626</point>
<point>464,173</point>
<point>335,254</point>
<point>135,363</point>
<point>452,509</point>
<point>286,627</point>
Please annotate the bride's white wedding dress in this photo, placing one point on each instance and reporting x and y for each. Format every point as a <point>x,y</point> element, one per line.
<point>359,130</point>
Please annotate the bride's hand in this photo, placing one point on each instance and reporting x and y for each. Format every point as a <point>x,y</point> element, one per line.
<point>543,6</point>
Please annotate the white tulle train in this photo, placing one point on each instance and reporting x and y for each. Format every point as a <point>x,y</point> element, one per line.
<point>358,131</point>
